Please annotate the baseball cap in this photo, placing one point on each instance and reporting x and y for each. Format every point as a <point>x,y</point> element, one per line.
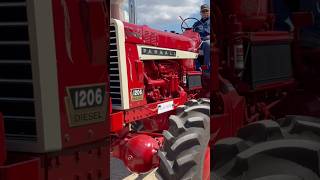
<point>205,7</point>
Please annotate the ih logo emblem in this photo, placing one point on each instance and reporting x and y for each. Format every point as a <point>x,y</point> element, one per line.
<point>86,104</point>
<point>137,94</point>
<point>158,52</point>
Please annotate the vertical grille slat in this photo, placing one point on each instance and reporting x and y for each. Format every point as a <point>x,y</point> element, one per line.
<point>114,72</point>
<point>16,82</point>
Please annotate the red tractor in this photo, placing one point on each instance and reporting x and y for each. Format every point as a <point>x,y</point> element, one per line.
<point>155,119</point>
<point>55,82</point>
<point>261,78</point>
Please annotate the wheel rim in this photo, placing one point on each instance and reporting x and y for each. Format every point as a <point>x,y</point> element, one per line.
<point>206,165</point>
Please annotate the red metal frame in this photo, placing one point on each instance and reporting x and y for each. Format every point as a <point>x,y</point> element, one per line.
<point>21,168</point>
<point>232,115</point>
<point>119,119</point>
<point>150,110</point>
<point>116,121</point>
<point>206,166</point>
<point>83,162</point>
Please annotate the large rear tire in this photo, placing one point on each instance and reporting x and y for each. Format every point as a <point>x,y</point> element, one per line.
<point>288,149</point>
<point>183,153</point>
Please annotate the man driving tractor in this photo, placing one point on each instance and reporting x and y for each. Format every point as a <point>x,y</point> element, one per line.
<point>203,28</point>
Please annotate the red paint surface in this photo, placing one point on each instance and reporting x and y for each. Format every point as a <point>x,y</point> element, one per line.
<point>85,64</point>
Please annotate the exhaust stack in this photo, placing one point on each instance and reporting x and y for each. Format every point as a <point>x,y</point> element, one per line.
<point>116,9</point>
<point>132,12</point>
<point>124,10</point>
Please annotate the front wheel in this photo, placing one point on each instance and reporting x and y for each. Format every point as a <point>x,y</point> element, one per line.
<point>185,153</point>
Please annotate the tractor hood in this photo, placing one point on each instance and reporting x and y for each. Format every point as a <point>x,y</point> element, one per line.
<point>142,34</point>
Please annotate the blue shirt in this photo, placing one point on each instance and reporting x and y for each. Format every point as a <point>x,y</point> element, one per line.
<point>203,28</point>
<point>282,13</point>
<point>310,36</point>
<point>314,7</point>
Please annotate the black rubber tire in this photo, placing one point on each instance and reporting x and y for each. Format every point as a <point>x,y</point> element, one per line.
<point>288,149</point>
<point>183,152</point>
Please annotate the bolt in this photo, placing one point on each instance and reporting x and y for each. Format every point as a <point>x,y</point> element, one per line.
<point>77,156</point>
<point>57,160</point>
<point>99,152</point>
<point>89,177</point>
<point>100,174</point>
<point>66,137</point>
<point>130,157</point>
<point>76,177</point>
<point>90,151</point>
<point>90,133</point>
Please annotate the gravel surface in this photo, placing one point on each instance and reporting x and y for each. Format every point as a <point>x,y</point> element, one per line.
<point>118,170</point>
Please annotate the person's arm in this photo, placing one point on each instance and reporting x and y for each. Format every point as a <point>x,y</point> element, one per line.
<point>195,27</point>
<point>283,14</point>
<point>207,28</point>
<point>290,24</point>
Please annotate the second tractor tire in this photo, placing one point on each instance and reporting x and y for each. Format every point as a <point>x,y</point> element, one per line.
<point>183,153</point>
<point>287,149</point>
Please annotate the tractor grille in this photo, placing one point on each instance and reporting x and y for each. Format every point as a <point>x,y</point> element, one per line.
<point>16,85</point>
<point>114,72</point>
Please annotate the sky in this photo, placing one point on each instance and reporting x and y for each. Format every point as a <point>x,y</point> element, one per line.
<point>164,14</point>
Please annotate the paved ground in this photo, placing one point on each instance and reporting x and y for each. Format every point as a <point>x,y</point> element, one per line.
<point>118,171</point>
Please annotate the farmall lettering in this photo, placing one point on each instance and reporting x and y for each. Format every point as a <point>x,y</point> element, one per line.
<point>86,104</point>
<point>158,52</point>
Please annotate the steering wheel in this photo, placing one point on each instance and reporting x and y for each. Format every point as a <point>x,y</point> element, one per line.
<point>183,28</point>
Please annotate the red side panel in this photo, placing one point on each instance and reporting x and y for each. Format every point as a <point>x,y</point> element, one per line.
<point>227,124</point>
<point>116,121</point>
<point>81,45</point>
<point>135,69</point>
<point>21,169</point>
<point>84,162</point>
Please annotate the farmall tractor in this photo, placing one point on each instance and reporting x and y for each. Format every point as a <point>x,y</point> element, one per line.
<point>54,100</point>
<point>262,78</point>
<point>156,120</point>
